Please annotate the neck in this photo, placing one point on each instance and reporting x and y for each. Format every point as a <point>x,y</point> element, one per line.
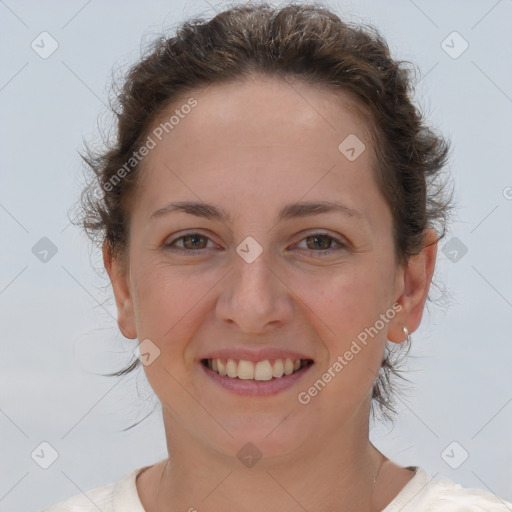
<point>335,469</point>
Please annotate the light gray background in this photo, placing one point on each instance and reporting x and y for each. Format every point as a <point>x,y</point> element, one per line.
<point>58,318</point>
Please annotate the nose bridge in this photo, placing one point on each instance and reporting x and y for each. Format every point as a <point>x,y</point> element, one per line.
<point>252,275</point>
<point>253,297</point>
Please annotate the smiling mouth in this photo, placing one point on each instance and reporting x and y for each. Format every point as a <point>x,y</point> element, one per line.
<point>268,369</point>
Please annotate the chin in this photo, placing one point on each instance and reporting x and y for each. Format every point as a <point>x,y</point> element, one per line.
<point>259,438</point>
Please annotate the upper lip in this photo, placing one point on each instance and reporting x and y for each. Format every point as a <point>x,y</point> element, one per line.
<point>254,355</point>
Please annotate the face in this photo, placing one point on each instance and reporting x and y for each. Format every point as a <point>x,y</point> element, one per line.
<point>256,277</point>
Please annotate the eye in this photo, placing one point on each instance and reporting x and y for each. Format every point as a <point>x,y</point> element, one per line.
<point>189,243</point>
<point>323,242</point>
<point>318,243</point>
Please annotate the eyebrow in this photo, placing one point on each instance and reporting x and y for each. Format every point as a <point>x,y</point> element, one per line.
<point>289,211</point>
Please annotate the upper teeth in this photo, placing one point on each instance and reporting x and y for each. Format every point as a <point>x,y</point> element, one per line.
<point>262,370</point>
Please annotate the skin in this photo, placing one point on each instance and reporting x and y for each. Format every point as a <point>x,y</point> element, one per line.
<point>251,147</point>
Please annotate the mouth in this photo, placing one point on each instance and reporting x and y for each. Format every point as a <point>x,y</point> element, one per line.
<point>264,370</point>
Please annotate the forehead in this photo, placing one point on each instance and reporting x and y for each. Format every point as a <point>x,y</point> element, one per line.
<point>266,110</point>
<point>262,135</point>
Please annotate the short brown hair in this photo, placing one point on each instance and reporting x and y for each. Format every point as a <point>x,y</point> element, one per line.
<point>304,42</point>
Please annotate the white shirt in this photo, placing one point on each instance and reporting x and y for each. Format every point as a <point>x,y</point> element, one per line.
<point>421,494</point>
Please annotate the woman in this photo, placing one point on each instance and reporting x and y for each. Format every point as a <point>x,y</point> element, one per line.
<point>269,220</point>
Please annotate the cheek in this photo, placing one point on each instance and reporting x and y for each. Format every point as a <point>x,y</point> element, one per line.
<point>163,298</point>
<point>171,304</point>
<point>167,309</point>
<point>349,298</point>
<point>347,306</point>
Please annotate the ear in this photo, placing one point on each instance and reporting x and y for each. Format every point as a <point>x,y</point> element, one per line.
<point>413,285</point>
<point>120,286</point>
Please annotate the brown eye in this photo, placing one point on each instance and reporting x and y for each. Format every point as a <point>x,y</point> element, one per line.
<point>190,243</point>
<point>319,242</point>
<point>322,244</point>
<point>194,241</point>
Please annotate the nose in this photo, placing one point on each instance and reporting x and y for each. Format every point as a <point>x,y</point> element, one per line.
<point>254,296</point>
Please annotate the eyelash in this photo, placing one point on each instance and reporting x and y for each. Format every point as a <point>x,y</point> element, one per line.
<point>170,246</point>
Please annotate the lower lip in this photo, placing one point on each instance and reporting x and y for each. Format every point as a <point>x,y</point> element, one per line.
<point>257,387</point>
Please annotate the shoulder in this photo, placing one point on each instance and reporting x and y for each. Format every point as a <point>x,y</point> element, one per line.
<point>446,496</point>
<point>120,496</point>
<point>423,493</point>
<point>91,500</point>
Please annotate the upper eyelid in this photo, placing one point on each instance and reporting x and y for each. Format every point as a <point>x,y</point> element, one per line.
<point>190,233</point>
<point>336,238</point>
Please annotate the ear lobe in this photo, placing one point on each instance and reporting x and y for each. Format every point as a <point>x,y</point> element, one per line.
<point>122,293</point>
<point>416,280</point>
